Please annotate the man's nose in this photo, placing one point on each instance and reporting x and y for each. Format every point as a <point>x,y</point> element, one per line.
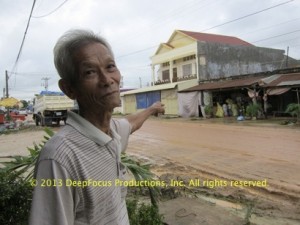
<point>105,79</point>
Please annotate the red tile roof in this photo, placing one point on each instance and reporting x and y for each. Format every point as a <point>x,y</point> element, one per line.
<point>216,38</point>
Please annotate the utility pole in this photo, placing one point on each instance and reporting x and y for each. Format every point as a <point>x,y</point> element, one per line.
<point>140,82</point>
<point>122,82</point>
<point>46,82</point>
<point>287,57</point>
<point>6,90</point>
<point>6,83</point>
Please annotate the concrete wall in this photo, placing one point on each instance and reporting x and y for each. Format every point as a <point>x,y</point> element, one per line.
<point>129,104</point>
<point>169,98</point>
<point>224,60</point>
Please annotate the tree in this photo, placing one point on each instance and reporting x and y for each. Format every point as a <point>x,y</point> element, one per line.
<point>294,110</point>
<point>25,103</point>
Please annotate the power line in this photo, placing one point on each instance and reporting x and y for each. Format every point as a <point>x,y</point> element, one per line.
<point>269,27</point>
<point>276,36</point>
<point>284,41</point>
<point>41,73</point>
<point>136,52</point>
<point>133,53</point>
<point>53,11</point>
<point>243,17</point>
<point>22,44</point>
<point>163,18</point>
<point>231,21</point>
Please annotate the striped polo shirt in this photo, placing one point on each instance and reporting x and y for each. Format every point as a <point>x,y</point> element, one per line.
<point>76,174</point>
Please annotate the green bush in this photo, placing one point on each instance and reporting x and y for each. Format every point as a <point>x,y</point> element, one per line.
<point>15,199</point>
<point>293,109</point>
<point>16,192</point>
<point>252,109</point>
<point>208,109</point>
<point>143,214</point>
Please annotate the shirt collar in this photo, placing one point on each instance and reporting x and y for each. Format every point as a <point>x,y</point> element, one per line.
<point>89,130</point>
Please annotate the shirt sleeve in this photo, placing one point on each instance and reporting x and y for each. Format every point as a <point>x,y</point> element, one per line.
<point>53,202</point>
<point>123,128</point>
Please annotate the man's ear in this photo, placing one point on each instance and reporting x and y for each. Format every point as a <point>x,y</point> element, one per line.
<point>67,89</point>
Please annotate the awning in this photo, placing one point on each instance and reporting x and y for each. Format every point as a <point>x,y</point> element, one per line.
<point>277,91</point>
<point>281,80</point>
<point>152,88</point>
<point>226,84</point>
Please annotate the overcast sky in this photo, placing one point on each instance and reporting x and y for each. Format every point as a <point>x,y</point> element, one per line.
<point>134,28</point>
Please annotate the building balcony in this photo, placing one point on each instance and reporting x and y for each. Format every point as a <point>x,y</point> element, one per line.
<point>176,79</point>
<point>162,82</point>
<point>189,77</point>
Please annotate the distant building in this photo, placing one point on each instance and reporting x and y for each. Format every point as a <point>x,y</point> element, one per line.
<point>188,58</point>
<point>119,109</point>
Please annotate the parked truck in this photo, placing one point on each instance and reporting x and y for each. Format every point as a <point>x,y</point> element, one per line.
<point>51,107</point>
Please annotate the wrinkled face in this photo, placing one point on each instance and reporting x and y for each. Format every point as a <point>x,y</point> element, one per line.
<point>97,88</point>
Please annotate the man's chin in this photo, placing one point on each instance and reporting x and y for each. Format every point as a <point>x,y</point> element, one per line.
<point>111,105</point>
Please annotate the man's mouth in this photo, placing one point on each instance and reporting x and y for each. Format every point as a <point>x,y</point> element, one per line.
<point>110,93</point>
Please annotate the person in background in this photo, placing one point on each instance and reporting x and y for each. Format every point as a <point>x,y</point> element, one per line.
<point>225,109</point>
<point>77,167</point>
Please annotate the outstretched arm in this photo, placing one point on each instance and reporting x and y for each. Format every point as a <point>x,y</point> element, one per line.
<point>136,120</point>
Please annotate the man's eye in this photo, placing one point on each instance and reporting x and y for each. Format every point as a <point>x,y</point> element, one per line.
<point>111,66</point>
<point>90,72</point>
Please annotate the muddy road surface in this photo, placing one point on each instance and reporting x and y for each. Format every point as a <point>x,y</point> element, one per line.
<point>242,172</point>
<point>257,166</point>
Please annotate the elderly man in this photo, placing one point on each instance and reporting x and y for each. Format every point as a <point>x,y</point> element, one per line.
<point>77,168</point>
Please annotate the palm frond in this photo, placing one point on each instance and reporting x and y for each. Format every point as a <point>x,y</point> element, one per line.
<point>142,172</point>
<point>293,109</point>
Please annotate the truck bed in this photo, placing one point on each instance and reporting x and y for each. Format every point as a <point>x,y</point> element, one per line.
<point>49,102</point>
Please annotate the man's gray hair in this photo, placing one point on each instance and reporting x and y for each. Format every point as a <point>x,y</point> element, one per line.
<point>67,45</point>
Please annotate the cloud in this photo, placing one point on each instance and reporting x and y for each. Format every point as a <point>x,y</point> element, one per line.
<point>131,26</point>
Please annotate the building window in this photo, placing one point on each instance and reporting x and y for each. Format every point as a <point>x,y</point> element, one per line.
<point>190,57</point>
<point>165,75</point>
<point>166,64</point>
<point>186,70</point>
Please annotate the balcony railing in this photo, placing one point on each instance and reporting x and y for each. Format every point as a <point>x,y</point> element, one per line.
<point>189,77</point>
<point>162,82</point>
<point>176,79</point>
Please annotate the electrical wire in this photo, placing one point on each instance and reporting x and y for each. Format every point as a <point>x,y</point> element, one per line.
<point>276,36</point>
<point>284,41</point>
<point>251,14</point>
<point>161,18</point>
<point>23,41</point>
<point>32,73</point>
<point>53,11</point>
<point>219,25</point>
<point>133,53</point>
<point>269,27</point>
<point>136,52</point>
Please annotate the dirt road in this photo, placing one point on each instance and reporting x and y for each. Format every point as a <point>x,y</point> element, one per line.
<point>220,154</point>
<point>229,151</point>
<point>223,153</point>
